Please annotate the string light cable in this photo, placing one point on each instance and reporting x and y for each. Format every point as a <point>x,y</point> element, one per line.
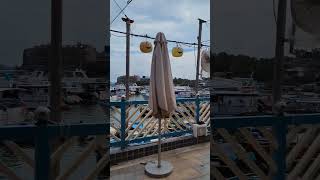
<point>148,37</point>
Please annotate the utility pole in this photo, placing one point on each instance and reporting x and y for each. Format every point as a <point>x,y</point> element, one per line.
<point>128,24</point>
<point>279,51</point>
<point>279,128</point>
<point>55,72</point>
<point>55,60</point>
<point>198,57</point>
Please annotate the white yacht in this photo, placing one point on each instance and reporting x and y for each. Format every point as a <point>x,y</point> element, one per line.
<point>183,92</point>
<point>233,97</point>
<point>12,109</point>
<point>135,89</point>
<point>73,83</point>
<point>35,95</point>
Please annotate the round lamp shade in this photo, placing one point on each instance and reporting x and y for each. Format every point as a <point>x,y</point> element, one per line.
<point>177,51</point>
<point>145,47</point>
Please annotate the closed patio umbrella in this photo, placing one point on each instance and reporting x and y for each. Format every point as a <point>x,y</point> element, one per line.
<point>162,100</point>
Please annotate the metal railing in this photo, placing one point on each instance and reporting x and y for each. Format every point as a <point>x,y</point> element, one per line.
<point>132,121</point>
<point>45,154</point>
<point>292,139</point>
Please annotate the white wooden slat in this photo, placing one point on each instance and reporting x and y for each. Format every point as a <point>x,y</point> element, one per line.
<point>99,166</point>
<point>305,142</point>
<point>132,133</point>
<point>145,127</point>
<point>315,146</point>
<point>8,172</point>
<point>77,162</point>
<point>259,149</point>
<point>19,152</point>
<point>231,164</point>
<point>56,156</point>
<point>243,155</point>
<point>313,169</point>
<point>138,117</point>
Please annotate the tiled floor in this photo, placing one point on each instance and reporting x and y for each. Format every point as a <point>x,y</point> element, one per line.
<point>190,163</point>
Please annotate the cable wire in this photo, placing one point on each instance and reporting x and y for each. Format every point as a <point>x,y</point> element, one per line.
<point>116,35</point>
<point>128,2</point>
<point>119,7</point>
<point>274,11</point>
<point>148,37</point>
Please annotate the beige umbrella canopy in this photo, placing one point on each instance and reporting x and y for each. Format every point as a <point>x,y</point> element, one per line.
<point>162,99</point>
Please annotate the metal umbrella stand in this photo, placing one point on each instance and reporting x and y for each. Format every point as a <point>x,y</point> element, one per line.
<point>162,100</point>
<point>159,168</point>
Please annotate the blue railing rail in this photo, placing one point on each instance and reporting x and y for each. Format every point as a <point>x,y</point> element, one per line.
<point>123,104</point>
<point>278,123</point>
<point>41,136</point>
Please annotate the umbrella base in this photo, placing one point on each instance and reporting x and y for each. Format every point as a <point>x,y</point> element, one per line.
<point>152,169</point>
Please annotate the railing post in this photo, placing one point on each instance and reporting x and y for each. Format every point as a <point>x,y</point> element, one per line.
<point>280,153</point>
<point>123,123</point>
<point>42,148</point>
<point>197,109</point>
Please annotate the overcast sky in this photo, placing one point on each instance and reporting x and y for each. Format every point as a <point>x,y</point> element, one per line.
<point>248,27</point>
<point>177,19</point>
<point>27,23</point>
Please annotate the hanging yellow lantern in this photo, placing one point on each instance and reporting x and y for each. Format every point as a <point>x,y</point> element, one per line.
<point>177,51</point>
<point>145,47</point>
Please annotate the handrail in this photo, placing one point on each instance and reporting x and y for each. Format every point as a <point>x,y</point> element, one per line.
<point>41,136</point>
<point>122,108</point>
<point>179,100</point>
<point>268,120</point>
<point>14,132</point>
<point>278,123</point>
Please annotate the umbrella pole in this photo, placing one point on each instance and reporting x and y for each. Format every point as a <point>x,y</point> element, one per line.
<point>159,143</point>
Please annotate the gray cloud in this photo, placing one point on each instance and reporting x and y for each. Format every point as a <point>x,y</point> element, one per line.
<point>27,23</point>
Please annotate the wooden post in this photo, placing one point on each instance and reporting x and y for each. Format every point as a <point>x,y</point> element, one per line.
<point>198,56</point>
